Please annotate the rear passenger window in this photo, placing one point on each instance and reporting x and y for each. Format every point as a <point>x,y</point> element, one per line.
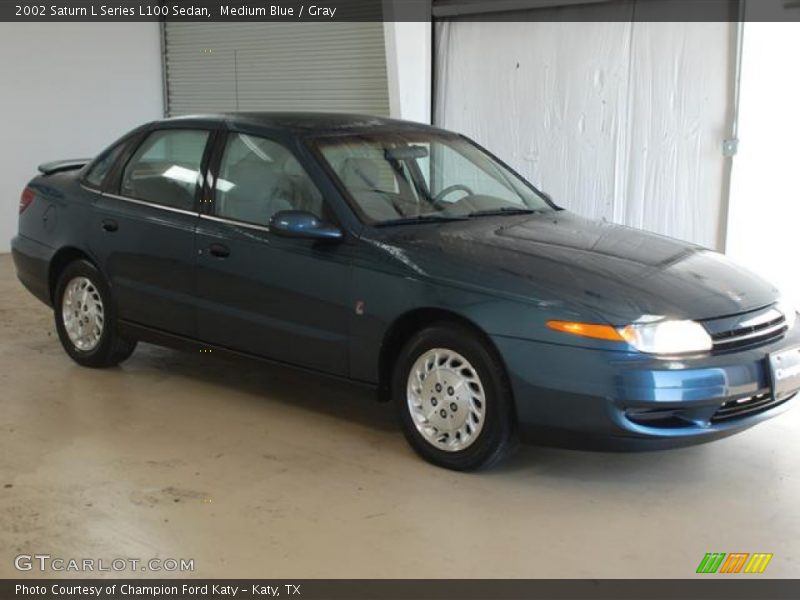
<point>258,178</point>
<point>165,169</point>
<point>102,165</point>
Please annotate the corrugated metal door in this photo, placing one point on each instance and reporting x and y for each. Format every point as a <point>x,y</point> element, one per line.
<point>275,66</point>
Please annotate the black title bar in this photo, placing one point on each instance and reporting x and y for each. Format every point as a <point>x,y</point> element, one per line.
<point>711,588</point>
<point>399,10</point>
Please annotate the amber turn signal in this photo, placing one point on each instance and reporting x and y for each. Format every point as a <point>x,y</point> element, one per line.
<point>590,330</point>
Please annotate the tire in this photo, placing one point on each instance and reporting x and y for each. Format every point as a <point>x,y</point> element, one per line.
<point>86,320</point>
<point>463,417</point>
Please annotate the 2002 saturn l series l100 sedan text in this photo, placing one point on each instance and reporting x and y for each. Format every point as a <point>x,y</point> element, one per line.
<point>408,258</point>
<point>175,10</point>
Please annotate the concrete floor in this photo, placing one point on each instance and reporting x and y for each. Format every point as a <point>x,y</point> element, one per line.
<point>259,472</point>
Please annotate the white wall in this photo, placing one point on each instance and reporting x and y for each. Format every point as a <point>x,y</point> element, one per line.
<point>622,121</point>
<point>70,89</point>
<point>408,68</point>
<point>764,214</point>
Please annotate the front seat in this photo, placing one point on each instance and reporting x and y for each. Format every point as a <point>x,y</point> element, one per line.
<point>361,177</point>
<point>304,196</point>
<point>259,192</point>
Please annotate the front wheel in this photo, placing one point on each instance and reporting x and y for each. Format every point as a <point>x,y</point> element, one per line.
<point>85,318</point>
<point>453,400</point>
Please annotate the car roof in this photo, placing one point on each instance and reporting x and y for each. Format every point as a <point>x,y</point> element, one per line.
<point>307,122</point>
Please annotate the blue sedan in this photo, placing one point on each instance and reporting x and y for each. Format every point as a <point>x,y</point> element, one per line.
<point>409,259</point>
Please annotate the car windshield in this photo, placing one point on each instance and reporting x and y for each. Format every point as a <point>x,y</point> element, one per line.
<point>399,178</point>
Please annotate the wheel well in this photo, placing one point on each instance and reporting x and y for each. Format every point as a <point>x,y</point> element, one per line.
<point>58,263</point>
<point>404,328</point>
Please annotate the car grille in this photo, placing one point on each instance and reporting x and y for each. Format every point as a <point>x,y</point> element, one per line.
<point>733,409</point>
<point>678,417</point>
<point>764,327</point>
<point>665,418</point>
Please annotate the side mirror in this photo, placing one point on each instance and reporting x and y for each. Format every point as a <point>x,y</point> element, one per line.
<point>301,224</point>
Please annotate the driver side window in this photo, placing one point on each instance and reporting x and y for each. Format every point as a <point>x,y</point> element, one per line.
<point>259,178</point>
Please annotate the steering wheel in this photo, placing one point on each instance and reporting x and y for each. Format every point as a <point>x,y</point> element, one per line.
<point>439,198</point>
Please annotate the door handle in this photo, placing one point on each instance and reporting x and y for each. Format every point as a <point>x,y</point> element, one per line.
<point>110,225</point>
<point>219,250</point>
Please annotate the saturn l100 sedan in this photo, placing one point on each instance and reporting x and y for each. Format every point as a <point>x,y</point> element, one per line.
<point>410,259</point>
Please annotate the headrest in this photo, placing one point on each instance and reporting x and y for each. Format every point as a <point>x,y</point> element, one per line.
<point>360,173</point>
<point>293,168</point>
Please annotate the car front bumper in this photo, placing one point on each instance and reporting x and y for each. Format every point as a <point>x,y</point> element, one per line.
<point>580,397</point>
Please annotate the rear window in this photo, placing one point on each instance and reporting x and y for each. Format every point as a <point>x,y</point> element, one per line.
<point>165,169</point>
<point>100,166</point>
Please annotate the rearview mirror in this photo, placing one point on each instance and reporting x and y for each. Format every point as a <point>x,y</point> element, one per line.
<point>406,153</point>
<point>301,224</point>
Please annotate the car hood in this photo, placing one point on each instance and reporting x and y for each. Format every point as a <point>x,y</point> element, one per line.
<point>619,273</point>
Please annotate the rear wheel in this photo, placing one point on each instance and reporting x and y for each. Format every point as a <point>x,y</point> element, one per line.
<point>452,398</point>
<point>86,319</point>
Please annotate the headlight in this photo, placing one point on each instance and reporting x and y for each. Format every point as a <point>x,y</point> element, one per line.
<point>789,311</point>
<point>667,337</point>
<point>653,337</point>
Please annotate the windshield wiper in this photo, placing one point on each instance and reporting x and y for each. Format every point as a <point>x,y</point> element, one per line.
<point>506,210</point>
<point>419,219</point>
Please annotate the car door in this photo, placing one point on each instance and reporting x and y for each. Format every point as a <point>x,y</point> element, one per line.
<point>282,298</point>
<point>146,223</point>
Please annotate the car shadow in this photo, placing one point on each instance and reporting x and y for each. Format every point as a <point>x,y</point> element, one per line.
<point>349,402</point>
<point>287,385</point>
<point>695,465</point>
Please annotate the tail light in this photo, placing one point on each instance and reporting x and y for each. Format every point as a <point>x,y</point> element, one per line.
<point>26,199</point>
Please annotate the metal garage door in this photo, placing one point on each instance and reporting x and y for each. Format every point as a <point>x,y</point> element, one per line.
<point>620,120</point>
<point>275,66</point>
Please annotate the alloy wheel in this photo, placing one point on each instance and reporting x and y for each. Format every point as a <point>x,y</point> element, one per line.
<point>83,314</point>
<point>446,399</point>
